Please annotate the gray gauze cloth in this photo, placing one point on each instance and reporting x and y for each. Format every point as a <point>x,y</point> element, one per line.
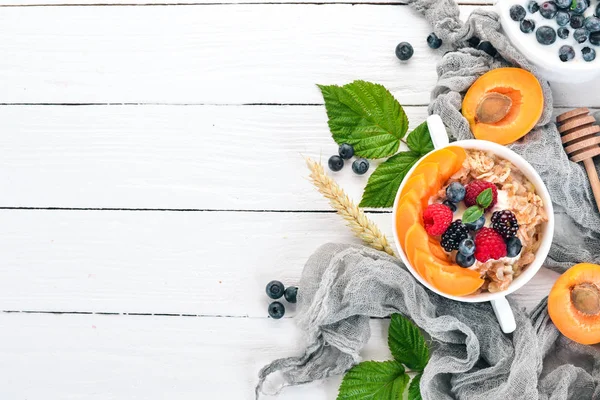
<point>343,286</point>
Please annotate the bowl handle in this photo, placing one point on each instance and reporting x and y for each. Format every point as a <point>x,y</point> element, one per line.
<point>437,131</point>
<point>505,316</point>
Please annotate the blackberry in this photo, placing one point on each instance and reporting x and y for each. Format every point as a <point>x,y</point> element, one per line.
<point>505,223</point>
<point>456,233</point>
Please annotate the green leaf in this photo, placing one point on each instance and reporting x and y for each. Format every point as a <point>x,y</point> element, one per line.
<point>383,184</point>
<point>573,4</point>
<point>484,199</point>
<point>414,389</point>
<point>367,116</point>
<point>372,380</point>
<point>407,344</point>
<point>419,140</point>
<point>472,214</point>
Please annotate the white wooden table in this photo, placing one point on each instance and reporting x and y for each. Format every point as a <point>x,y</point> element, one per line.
<point>152,183</point>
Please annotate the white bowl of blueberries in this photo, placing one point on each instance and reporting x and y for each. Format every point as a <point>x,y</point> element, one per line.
<point>560,37</point>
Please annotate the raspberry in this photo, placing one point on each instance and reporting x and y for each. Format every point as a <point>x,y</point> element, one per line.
<point>475,188</point>
<point>456,233</point>
<point>437,218</point>
<point>505,223</point>
<point>489,245</point>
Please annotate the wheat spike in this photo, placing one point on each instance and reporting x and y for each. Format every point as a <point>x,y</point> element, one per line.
<point>362,226</point>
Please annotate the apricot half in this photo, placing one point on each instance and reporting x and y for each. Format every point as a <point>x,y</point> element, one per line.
<point>408,214</point>
<point>574,303</point>
<point>503,105</point>
<point>452,279</point>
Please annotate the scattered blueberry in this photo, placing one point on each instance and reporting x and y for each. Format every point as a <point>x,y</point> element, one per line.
<point>276,310</point>
<point>577,21</point>
<point>488,48</point>
<point>335,163</point>
<point>592,24</point>
<point>563,18</point>
<point>563,33</point>
<point>290,294</point>
<point>580,6</point>
<point>548,9</point>
<point>545,35</point>
<point>533,6</point>
<point>450,205</point>
<point>360,166</point>
<point>588,54</point>
<point>465,261</point>
<point>566,53</point>
<point>527,26</point>
<point>275,289</point>
<point>477,225</point>
<point>580,35</point>
<point>595,38</point>
<point>513,247</point>
<point>404,51</point>
<point>455,192</point>
<point>474,41</point>
<point>517,13</point>
<point>433,41</point>
<point>346,151</point>
<point>467,247</point>
<point>563,3</point>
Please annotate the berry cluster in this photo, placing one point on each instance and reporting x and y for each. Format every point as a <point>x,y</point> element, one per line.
<point>275,290</point>
<point>470,239</point>
<point>360,166</point>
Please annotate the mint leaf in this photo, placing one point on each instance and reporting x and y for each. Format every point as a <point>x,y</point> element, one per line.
<point>472,214</point>
<point>419,140</point>
<point>374,380</point>
<point>367,116</point>
<point>573,4</point>
<point>484,199</point>
<point>414,389</point>
<point>407,344</point>
<point>383,184</point>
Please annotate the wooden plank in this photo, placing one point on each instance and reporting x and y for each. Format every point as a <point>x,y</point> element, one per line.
<point>12,3</point>
<point>200,263</point>
<point>209,54</point>
<point>127,357</point>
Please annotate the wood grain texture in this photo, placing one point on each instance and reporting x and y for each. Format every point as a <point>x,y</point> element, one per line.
<point>129,358</point>
<point>201,263</point>
<point>13,3</point>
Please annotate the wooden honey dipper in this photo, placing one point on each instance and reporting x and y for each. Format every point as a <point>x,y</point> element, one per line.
<point>578,132</point>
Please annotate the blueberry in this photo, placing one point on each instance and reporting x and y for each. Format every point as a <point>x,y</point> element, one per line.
<point>527,26</point>
<point>563,18</point>
<point>517,13</point>
<point>346,151</point>
<point>588,54</point>
<point>580,6</point>
<point>534,7</point>
<point>548,9</point>
<point>473,41</point>
<point>290,294</point>
<point>545,35</point>
<point>465,261</point>
<point>566,53</point>
<point>360,166</point>
<point>577,21</point>
<point>595,38</point>
<point>276,310</point>
<point>433,41</point>
<point>455,192</point>
<point>598,10</point>
<point>580,35</point>
<point>275,289</point>
<point>467,247</point>
<point>592,24</point>
<point>488,48</point>
<point>450,205</point>
<point>477,225</point>
<point>563,3</point>
<point>513,247</point>
<point>404,51</point>
<point>335,163</point>
<point>563,33</point>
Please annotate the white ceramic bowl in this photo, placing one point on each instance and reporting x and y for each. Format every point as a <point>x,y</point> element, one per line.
<point>498,300</point>
<point>549,66</point>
